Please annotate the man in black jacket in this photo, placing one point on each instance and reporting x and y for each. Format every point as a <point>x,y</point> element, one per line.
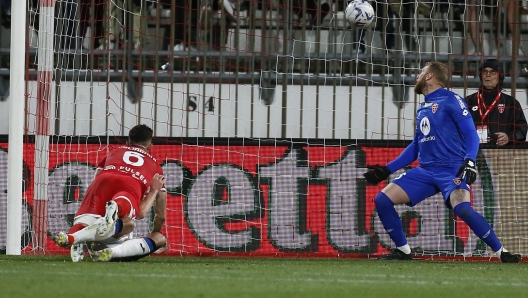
<point>498,117</point>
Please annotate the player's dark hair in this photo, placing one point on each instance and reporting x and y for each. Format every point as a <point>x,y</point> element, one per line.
<point>140,135</point>
<point>440,71</point>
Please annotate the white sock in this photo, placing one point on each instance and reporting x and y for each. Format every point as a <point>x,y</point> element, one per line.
<point>498,252</point>
<point>406,249</point>
<point>89,233</point>
<point>86,234</point>
<point>130,248</point>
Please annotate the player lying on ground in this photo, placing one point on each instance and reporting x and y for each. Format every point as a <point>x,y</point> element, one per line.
<point>120,247</point>
<point>117,195</point>
<point>446,145</point>
<point>134,249</point>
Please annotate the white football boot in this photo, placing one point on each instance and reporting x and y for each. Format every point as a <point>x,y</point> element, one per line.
<point>77,252</point>
<point>108,222</point>
<point>104,255</point>
<point>62,239</point>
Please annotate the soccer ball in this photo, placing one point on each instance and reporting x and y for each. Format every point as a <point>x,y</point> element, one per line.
<point>359,13</point>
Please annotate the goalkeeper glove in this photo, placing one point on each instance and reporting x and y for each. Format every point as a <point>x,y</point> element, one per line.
<point>468,171</point>
<point>376,174</point>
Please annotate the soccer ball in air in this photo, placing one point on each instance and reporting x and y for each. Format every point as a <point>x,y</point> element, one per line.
<point>359,13</point>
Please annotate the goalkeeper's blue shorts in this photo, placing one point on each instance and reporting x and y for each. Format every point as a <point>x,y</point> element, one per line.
<point>420,183</point>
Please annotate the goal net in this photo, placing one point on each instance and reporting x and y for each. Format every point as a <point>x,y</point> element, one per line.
<point>265,113</point>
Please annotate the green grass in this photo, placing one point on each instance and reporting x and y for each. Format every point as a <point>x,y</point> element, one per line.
<point>43,276</point>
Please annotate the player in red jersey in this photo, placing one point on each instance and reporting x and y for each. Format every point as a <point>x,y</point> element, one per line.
<point>117,196</point>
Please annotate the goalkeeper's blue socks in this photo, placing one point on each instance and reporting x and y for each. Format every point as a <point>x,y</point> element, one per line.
<point>391,221</point>
<point>478,224</point>
<point>118,226</point>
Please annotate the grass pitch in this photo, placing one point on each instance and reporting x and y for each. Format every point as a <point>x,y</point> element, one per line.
<point>57,276</point>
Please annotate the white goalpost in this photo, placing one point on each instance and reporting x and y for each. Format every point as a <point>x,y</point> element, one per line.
<point>16,128</point>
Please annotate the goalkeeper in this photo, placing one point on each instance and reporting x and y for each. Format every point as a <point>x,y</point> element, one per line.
<point>446,145</point>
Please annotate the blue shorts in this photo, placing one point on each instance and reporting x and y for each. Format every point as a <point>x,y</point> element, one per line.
<point>420,183</point>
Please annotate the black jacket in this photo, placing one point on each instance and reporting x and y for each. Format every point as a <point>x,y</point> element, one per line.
<point>510,121</point>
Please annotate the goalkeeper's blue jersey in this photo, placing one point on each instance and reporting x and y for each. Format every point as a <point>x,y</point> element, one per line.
<point>438,136</point>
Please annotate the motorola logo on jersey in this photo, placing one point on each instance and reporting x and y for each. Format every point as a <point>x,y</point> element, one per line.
<point>425,126</point>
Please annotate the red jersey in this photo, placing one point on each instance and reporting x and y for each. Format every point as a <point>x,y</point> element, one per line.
<point>126,172</point>
<point>131,161</point>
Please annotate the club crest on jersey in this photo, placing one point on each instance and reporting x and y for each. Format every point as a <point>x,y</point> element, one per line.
<point>434,108</point>
<point>500,107</point>
<point>457,181</point>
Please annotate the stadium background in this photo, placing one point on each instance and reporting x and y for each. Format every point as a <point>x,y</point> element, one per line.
<point>268,198</point>
<point>280,92</point>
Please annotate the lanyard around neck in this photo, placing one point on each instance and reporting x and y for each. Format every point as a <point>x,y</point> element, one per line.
<point>482,105</point>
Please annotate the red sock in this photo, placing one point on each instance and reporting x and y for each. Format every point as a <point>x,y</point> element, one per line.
<point>73,229</point>
<point>76,227</point>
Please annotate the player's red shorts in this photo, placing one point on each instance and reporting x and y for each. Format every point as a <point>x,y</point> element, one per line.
<point>106,187</point>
